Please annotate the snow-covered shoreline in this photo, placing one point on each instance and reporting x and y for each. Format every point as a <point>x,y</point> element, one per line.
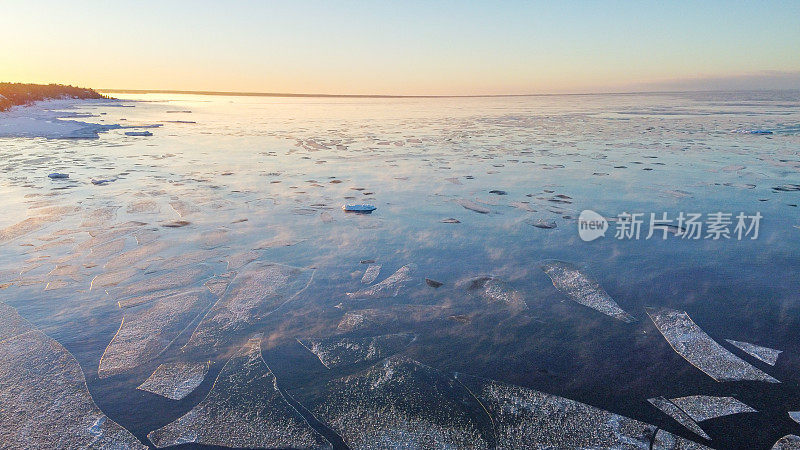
<point>53,119</point>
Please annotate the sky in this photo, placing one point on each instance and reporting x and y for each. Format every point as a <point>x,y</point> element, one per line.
<point>402,47</point>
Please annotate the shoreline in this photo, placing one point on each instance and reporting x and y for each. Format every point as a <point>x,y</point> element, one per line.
<point>22,94</point>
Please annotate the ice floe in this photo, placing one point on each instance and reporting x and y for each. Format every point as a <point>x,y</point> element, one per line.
<point>240,260</point>
<point>372,272</point>
<point>494,290</point>
<point>147,331</point>
<point>254,293</point>
<point>356,320</point>
<point>526,418</point>
<point>136,255</point>
<point>214,238</point>
<point>389,287</point>
<point>43,393</point>
<point>670,409</point>
<point>748,131</point>
<point>473,206</point>
<point>583,289</point>
<point>765,354</point>
<point>697,347</point>
<point>363,209</point>
<point>705,407</point>
<point>184,208</point>
<point>545,224</point>
<point>108,249</point>
<point>433,283</point>
<point>175,380</point>
<point>143,207</point>
<point>183,277</point>
<point>788,442</point>
<point>24,227</point>
<point>400,403</point>
<point>103,181</point>
<point>243,409</point>
<point>99,217</point>
<point>336,351</point>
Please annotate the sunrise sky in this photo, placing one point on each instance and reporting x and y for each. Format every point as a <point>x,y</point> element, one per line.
<point>402,47</point>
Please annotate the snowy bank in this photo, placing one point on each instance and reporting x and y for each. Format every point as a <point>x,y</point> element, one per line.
<point>55,119</point>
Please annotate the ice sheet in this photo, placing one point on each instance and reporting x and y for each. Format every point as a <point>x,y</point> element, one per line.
<point>43,393</point>
<point>526,418</point>
<point>400,403</point>
<point>147,331</point>
<point>255,292</point>
<point>243,409</point>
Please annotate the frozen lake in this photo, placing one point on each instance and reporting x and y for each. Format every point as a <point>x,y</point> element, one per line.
<point>212,290</point>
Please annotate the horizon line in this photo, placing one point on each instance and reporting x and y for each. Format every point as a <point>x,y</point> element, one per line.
<point>320,95</point>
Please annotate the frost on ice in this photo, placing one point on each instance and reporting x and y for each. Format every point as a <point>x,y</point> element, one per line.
<point>389,287</point>
<point>175,380</point>
<point>336,351</point>
<point>765,354</point>
<point>43,395</point>
<point>401,403</point>
<point>705,407</point>
<point>243,409</point>
<point>526,418</point>
<point>696,347</point>
<point>583,289</point>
